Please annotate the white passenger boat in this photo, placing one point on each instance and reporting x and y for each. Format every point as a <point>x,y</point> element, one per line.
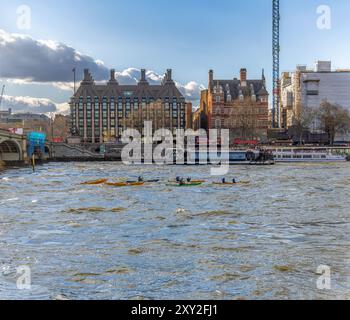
<point>307,155</point>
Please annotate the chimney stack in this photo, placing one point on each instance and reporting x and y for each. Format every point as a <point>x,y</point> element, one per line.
<point>112,75</point>
<point>143,74</point>
<point>169,75</point>
<point>243,77</point>
<point>211,79</point>
<point>86,74</point>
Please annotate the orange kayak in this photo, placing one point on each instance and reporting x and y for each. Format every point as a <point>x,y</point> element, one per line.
<point>124,184</point>
<point>95,182</point>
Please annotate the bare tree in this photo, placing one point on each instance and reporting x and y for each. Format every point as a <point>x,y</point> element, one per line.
<point>303,122</point>
<point>334,119</point>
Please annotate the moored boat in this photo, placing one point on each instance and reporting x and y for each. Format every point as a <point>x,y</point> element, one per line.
<point>230,157</point>
<point>308,155</point>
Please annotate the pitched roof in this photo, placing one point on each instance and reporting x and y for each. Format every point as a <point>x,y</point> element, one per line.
<point>235,87</point>
<point>142,90</point>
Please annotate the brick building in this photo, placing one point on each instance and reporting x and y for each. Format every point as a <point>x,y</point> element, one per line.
<point>240,105</point>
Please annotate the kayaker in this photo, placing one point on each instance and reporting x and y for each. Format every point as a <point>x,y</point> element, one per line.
<point>140,179</point>
<point>189,179</point>
<point>182,182</point>
<point>178,179</point>
<point>234,181</point>
<point>223,180</point>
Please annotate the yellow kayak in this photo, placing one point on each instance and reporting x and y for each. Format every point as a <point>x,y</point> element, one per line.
<point>95,182</point>
<point>125,184</point>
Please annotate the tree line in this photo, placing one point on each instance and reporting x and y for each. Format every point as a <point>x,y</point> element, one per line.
<point>328,118</point>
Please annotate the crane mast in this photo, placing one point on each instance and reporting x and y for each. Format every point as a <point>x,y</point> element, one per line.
<point>276,109</point>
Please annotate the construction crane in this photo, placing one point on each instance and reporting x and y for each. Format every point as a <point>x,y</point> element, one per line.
<point>2,94</point>
<point>276,109</point>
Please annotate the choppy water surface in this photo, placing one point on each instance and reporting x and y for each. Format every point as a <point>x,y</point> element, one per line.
<point>262,241</point>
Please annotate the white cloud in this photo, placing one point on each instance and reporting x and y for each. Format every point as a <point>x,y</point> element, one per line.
<point>43,60</point>
<point>63,108</point>
<point>38,62</point>
<point>33,105</point>
<point>191,90</point>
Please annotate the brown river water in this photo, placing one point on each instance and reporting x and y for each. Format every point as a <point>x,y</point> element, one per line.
<point>264,240</point>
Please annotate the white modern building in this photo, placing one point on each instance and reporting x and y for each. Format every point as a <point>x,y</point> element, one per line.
<point>308,88</point>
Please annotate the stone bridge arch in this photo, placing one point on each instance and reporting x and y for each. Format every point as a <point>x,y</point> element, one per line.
<point>10,150</point>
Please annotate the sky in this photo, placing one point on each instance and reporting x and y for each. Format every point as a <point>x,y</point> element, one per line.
<point>189,36</point>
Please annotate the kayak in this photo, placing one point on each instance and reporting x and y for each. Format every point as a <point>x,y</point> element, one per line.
<point>192,181</point>
<point>191,184</point>
<point>125,184</point>
<point>231,183</point>
<point>146,181</point>
<point>95,182</point>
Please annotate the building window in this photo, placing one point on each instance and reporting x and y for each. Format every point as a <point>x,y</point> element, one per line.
<point>120,108</point>
<point>144,103</point>
<point>218,123</point>
<point>128,93</point>
<point>128,105</point>
<point>136,104</point>
<point>312,92</point>
<point>104,104</point>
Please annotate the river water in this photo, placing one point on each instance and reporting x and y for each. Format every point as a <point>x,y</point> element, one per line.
<point>260,241</point>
